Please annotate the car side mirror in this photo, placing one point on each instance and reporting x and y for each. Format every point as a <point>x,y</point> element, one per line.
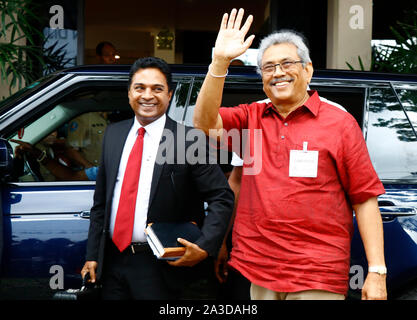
<point>6,159</point>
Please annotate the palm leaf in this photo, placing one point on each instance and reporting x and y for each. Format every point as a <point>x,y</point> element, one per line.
<point>31,60</point>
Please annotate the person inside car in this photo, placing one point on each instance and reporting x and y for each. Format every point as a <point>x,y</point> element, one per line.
<point>59,169</point>
<point>106,53</point>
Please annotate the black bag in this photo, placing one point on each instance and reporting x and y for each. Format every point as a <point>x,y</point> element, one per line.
<point>88,291</point>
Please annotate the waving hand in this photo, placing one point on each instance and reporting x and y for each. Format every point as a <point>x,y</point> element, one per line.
<point>231,41</point>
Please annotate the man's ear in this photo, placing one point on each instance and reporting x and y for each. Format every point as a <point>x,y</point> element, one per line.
<point>309,70</point>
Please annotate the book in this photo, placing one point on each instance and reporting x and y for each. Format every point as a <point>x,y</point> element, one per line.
<point>162,238</point>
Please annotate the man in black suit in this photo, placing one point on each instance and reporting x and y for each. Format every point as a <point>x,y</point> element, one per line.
<point>172,187</point>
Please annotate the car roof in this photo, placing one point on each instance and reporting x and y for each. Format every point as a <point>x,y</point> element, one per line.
<point>248,71</point>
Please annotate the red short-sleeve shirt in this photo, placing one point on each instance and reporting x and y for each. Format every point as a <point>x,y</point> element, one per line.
<point>293,233</point>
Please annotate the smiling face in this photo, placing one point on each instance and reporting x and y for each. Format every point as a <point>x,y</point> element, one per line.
<point>286,89</point>
<point>149,95</point>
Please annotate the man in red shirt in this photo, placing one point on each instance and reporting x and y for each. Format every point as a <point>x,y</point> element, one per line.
<point>293,226</point>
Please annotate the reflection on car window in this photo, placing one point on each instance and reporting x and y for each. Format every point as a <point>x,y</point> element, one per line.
<point>408,99</point>
<point>188,119</point>
<point>24,91</point>
<point>391,141</point>
<point>178,101</point>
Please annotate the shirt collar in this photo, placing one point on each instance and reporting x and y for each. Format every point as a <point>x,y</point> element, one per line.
<point>312,104</point>
<point>154,128</point>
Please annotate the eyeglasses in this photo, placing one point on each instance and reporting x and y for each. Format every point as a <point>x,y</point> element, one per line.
<point>285,66</point>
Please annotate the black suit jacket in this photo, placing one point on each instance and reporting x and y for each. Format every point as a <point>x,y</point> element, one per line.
<point>178,190</point>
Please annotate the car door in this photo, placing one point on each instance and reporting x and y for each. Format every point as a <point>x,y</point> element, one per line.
<point>392,144</point>
<point>387,114</point>
<point>46,221</point>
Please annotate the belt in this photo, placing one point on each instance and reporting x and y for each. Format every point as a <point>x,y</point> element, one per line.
<point>136,247</point>
<point>133,248</point>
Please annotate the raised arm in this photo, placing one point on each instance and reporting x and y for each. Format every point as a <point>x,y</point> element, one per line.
<point>230,43</point>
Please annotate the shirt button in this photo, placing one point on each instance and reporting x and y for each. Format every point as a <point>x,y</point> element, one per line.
<point>286,124</point>
<point>282,137</point>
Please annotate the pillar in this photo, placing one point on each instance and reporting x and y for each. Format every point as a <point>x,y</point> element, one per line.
<point>349,34</point>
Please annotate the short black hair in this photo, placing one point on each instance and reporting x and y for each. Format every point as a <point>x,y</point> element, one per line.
<point>99,47</point>
<point>151,62</point>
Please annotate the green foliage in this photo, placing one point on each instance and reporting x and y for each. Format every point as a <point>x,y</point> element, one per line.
<point>401,58</point>
<point>362,67</point>
<point>22,54</point>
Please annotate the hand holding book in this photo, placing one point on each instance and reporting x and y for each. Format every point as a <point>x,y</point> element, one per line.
<point>175,241</point>
<point>193,255</point>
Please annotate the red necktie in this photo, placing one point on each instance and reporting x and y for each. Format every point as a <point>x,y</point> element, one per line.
<point>123,228</point>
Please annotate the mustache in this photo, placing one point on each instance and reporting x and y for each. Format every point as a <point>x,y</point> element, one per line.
<point>276,80</point>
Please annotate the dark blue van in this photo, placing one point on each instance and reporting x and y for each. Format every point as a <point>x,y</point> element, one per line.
<point>45,220</point>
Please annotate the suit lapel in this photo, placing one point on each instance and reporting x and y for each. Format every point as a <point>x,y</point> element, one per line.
<point>166,148</point>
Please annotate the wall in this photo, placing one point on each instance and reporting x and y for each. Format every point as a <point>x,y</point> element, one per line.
<point>349,33</point>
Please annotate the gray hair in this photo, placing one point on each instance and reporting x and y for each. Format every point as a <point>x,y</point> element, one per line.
<point>284,36</point>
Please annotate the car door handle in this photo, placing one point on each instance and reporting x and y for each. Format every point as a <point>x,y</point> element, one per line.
<point>389,210</point>
<point>85,214</point>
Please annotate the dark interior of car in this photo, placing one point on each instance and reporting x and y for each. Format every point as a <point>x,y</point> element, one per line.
<point>352,99</point>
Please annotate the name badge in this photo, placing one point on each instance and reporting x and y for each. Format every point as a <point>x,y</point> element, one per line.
<point>304,163</point>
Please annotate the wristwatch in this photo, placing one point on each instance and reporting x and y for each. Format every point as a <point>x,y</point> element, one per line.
<point>381,270</point>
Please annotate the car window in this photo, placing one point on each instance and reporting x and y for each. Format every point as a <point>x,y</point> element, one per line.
<point>179,99</point>
<point>188,116</point>
<point>392,143</point>
<point>70,130</point>
<point>408,97</point>
<point>235,92</point>
<point>350,98</point>
<point>69,133</point>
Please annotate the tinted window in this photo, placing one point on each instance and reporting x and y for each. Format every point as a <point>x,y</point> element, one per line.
<point>350,98</point>
<point>236,91</point>
<point>188,118</point>
<point>408,98</point>
<point>179,100</point>
<point>391,141</point>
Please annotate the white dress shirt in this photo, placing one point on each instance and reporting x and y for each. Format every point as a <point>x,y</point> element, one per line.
<point>151,141</point>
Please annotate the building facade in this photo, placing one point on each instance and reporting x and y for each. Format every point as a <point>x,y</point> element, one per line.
<point>184,31</point>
